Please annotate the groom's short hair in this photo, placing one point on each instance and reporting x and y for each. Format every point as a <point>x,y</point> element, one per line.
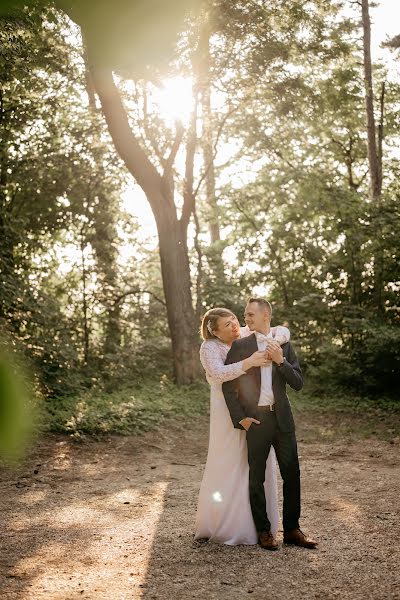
<point>262,302</point>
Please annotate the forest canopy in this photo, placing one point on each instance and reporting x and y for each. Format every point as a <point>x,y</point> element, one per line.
<point>272,167</point>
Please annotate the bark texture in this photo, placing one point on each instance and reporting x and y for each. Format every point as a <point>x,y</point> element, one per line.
<point>172,231</point>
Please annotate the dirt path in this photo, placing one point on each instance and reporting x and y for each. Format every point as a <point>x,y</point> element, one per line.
<point>114,520</point>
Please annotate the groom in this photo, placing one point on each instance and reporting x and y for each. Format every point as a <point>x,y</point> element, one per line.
<point>257,402</point>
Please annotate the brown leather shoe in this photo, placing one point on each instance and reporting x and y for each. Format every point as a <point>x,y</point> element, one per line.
<point>267,540</point>
<point>297,537</point>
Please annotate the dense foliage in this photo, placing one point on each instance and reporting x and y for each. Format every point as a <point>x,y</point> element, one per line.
<point>282,103</point>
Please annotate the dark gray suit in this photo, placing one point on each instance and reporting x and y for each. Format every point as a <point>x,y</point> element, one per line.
<point>276,428</point>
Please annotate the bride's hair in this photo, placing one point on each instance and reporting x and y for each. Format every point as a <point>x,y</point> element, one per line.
<point>210,322</point>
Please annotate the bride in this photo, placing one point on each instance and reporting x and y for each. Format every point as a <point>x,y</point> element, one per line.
<point>223,511</point>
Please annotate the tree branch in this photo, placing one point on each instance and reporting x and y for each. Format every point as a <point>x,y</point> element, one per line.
<point>199,264</point>
<point>188,196</point>
<point>148,131</point>
<point>169,161</point>
<point>215,149</point>
<point>134,291</point>
<point>127,145</point>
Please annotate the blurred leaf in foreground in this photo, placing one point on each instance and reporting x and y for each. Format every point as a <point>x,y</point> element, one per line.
<point>16,408</point>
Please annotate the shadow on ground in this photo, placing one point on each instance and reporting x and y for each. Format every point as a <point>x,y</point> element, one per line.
<point>114,519</point>
<point>349,503</point>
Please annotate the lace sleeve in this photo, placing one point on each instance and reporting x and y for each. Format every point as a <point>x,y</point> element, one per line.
<point>213,362</point>
<point>281,334</point>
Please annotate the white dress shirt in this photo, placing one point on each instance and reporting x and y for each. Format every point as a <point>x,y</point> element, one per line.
<point>266,393</point>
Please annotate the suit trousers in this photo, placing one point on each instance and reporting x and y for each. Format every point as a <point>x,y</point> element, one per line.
<point>260,438</point>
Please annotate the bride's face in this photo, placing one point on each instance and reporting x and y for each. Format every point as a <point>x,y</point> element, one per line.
<point>228,329</point>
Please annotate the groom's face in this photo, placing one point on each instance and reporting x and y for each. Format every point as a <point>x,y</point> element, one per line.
<point>256,316</point>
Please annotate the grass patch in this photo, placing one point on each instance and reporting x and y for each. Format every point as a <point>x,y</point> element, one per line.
<point>144,405</point>
<point>134,408</point>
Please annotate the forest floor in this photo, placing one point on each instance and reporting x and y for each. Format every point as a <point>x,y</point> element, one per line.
<point>113,519</point>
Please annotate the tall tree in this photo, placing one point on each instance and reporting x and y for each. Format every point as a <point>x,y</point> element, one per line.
<point>54,166</point>
<point>172,227</point>
<point>129,45</point>
<point>208,124</point>
<point>374,147</point>
<point>375,142</point>
<point>105,213</point>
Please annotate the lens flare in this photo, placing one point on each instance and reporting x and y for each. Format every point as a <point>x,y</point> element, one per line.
<point>174,99</point>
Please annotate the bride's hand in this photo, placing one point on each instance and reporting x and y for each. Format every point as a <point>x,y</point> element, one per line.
<point>259,358</point>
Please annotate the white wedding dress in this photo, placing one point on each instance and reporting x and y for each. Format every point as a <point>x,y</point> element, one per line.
<point>223,511</point>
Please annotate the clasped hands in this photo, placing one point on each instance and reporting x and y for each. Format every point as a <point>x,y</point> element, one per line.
<point>273,352</point>
<point>261,358</point>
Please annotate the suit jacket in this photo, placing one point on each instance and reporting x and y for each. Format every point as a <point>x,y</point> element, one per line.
<point>242,394</point>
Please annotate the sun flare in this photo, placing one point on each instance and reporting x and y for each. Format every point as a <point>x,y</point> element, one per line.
<point>174,99</point>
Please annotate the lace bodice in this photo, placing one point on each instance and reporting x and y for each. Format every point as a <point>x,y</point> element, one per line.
<point>213,355</point>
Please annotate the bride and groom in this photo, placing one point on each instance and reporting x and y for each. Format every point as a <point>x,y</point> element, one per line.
<point>251,429</point>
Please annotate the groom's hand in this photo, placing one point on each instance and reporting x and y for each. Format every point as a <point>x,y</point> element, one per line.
<point>246,423</point>
<point>275,352</point>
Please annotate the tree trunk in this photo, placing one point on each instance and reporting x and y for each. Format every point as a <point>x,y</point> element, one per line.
<point>374,156</point>
<point>214,255</point>
<point>8,277</point>
<point>207,132</point>
<point>171,230</point>
<point>84,304</point>
<point>182,322</point>
<point>102,242</point>
<point>286,300</point>
<point>104,222</point>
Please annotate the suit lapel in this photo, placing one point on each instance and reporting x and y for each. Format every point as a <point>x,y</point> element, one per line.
<point>253,342</point>
<point>273,369</point>
<point>253,346</point>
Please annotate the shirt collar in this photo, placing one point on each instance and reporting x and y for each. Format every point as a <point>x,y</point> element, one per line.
<point>261,337</point>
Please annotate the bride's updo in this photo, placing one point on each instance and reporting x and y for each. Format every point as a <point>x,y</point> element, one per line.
<point>209,323</point>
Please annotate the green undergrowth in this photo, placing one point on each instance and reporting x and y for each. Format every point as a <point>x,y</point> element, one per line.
<point>145,405</point>
<point>134,408</point>
<point>308,399</point>
<point>325,417</point>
